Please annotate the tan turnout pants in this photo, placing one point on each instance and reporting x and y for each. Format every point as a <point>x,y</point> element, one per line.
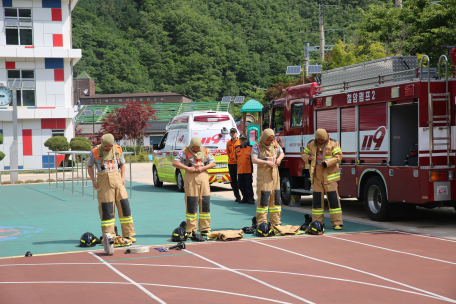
<point>110,190</point>
<point>197,194</point>
<point>319,189</point>
<point>268,193</point>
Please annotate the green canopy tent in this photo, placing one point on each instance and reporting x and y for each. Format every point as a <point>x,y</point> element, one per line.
<point>251,106</point>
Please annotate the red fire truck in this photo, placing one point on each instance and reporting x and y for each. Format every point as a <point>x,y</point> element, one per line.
<point>395,123</point>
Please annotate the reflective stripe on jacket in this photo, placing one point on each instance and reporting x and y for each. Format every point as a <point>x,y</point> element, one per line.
<point>333,156</point>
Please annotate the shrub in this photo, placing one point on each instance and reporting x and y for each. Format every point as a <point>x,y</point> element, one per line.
<point>29,181</point>
<point>39,181</point>
<point>19,182</point>
<point>50,180</point>
<point>57,143</point>
<point>142,158</point>
<point>6,183</point>
<point>1,138</point>
<point>80,144</point>
<point>2,155</point>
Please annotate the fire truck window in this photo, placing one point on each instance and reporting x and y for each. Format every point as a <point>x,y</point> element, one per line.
<point>296,115</point>
<point>277,124</point>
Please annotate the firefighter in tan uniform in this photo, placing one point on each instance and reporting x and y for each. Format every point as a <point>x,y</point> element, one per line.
<point>268,155</point>
<point>324,155</point>
<point>196,160</point>
<point>110,186</point>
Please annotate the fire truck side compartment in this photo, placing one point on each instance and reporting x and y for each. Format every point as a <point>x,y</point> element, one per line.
<point>404,134</point>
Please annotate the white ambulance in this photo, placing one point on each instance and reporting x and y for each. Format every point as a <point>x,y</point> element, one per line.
<point>213,127</point>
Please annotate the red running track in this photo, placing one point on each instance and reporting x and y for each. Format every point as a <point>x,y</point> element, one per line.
<point>375,267</point>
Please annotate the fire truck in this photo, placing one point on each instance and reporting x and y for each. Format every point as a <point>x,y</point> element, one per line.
<point>395,122</point>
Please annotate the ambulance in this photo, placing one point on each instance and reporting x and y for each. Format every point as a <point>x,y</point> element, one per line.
<point>212,127</point>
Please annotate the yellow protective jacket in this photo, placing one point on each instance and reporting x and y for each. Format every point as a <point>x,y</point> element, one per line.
<point>333,156</point>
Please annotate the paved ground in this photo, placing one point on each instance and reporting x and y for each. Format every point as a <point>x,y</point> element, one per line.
<point>439,222</point>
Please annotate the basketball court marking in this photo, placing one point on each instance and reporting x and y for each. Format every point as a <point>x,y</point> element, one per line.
<point>420,256</point>
<point>252,278</point>
<point>361,271</point>
<point>128,279</point>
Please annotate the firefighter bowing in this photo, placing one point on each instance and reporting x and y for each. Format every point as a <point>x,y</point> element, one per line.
<point>324,155</point>
<point>110,186</point>
<point>268,155</point>
<point>196,160</point>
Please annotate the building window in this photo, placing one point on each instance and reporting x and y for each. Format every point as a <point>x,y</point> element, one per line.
<point>113,100</point>
<point>24,80</point>
<point>120,99</point>
<point>134,99</point>
<point>161,98</point>
<point>148,99</point>
<point>58,133</point>
<point>106,100</point>
<point>18,26</point>
<point>140,99</point>
<point>155,99</point>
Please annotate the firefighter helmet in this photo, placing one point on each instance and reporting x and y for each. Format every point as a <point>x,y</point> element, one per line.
<point>264,229</point>
<point>179,234</point>
<point>316,228</point>
<point>88,240</point>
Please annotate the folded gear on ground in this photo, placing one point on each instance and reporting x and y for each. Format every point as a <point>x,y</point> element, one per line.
<point>287,230</point>
<point>120,241</point>
<point>226,235</point>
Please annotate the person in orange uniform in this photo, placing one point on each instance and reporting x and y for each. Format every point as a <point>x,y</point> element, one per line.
<point>232,163</point>
<point>245,170</point>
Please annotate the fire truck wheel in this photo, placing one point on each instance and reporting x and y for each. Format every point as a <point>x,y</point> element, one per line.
<point>375,201</point>
<point>180,181</point>
<point>285,187</point>
<point>157,182</point>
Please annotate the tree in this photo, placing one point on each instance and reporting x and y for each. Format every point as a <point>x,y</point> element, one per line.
<point>347,54</point>
<point>77,131</point>
<point>418,27</point>
<point>129,122</point>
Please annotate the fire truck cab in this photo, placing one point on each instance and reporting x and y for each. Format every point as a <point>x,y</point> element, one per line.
<point>395,123</point>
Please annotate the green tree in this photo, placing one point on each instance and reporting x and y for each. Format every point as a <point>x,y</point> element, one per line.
<point>420,26</point>
<point>2,155</point>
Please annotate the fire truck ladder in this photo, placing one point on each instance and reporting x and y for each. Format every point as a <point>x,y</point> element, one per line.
<point>439,119</point>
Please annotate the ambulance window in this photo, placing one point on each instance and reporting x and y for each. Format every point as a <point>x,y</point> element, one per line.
<point>277,119</point>
<point>163,142</point>
<point>296,115</point>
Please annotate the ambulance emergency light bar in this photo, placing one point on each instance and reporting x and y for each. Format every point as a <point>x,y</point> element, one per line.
<point>211,118</point>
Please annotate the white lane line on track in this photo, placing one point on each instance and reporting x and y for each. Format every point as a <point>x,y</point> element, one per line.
<point>361,271</point>
<point>252,278</point>
<point>151,284</point>
<point>417,255</point>
<point>221,269</point>
<point>130,280</point>
<point>426,236</point>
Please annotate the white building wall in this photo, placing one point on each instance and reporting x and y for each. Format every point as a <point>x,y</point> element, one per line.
<point>51,58</point>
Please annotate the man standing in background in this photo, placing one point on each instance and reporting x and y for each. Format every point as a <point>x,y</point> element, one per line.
<point>245,170</point>
<point>232,162</point>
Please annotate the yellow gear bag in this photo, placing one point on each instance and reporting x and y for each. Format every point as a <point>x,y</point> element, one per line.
<point>287,230</point>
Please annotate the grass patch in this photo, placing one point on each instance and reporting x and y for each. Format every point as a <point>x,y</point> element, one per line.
<point>29,181</point>
<point>50,180</point>
<point>6,183</point>
<point>19,182</point>
<point>39,181</point>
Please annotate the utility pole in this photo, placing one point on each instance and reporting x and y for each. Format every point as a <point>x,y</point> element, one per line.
<point>14,145</point>
<point>306,61</point>
<point>321,30</point>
